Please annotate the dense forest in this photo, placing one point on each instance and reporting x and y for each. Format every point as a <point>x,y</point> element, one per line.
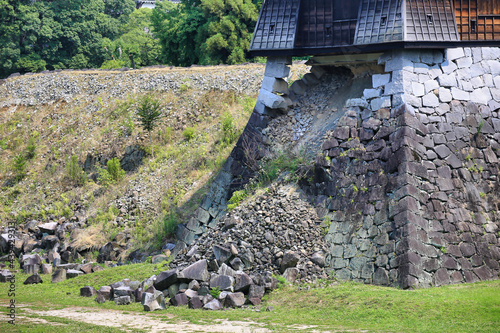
<point>38,35</point>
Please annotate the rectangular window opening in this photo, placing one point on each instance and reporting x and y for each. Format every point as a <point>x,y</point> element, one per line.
<point>473,25</point>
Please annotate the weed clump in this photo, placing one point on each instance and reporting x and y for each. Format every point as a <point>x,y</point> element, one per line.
<point>74,172</point>
<point>112,174</point>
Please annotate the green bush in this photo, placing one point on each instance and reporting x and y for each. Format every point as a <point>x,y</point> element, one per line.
<point>19,166</point>
<point>188,133</point>
<point>31,148</point>
<point>149,113</point>
<point>74,172</point>
<point>215,292</point>
<point>112,174</point>
<point>236,199</point>
<point>229,131</point>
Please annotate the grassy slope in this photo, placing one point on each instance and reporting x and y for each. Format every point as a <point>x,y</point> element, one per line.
<point>458,308</point>
<point>175,178</point>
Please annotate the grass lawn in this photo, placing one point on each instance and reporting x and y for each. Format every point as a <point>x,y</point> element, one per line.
<point>339,307</point>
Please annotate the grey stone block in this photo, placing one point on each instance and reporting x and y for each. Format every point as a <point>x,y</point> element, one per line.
<point>481,96</point>
<point>379,80</point>
<point>278,67</point>
<point>275,85</point>
<point>454,53</point>
<point>271,100</point>
<point>430,100</point>
<point>460,95</point>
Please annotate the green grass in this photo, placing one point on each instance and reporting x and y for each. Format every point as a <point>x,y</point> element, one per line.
<point>67,293</point>
<point>345,306</point>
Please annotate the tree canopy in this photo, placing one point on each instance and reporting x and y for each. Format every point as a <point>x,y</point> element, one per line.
<point>205,32</point>
<point>55,34</point>
<point>52,34</point>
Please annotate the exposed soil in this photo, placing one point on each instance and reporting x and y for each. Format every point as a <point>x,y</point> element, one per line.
<point>127,321</point>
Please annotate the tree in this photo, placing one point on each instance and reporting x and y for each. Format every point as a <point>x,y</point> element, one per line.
<point>136,43</point>
<point>205,31</point>
<point>148,113</point>
<point>54,34</point>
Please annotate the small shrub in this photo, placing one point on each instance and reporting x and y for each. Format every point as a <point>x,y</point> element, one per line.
<point>19,166</point>
<point>74,172</point>
<point>236,199</point>
<point>31,148</point>
<point>115,169</point>
<point>215,292</point>
<point>149,113</point>
<point>167,227</point>
<point>188,133</point>
<point>184,87</point>
<point>281,281</point>
<point>112,174</point>
<point>480,127</point>
<point>229,132</point>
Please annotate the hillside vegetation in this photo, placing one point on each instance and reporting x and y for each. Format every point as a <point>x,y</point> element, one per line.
<point>56,156</point>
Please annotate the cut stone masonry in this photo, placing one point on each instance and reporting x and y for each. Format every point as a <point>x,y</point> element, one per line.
<point>408,182</point>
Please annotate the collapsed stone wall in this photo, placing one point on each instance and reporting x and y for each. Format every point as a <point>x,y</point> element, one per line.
<point>407,181</point>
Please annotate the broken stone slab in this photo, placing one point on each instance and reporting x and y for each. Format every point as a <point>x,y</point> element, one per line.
<point>30,268</point>
<point>195,303</point>
<point>237,264</point>
<point>291,274</point>
<point>5,275</point>
<point>106,292</point>
<point>191,293</point>
<point>197,271</point>
<point>223,282</point>
<point>222,254</point>
<point>290,259</point>
<point>226,270</point>
<point>179,300</point>
<point>153,301</point>
<point>277,67</point>
<point>97,268</point>
<point>122,291</point>
<point>299,88</point>
<point>165,279</point>
<point>59,275</point>
<point>194,285</point>
<point>122,300</point>
<point>88,291</point>
<point>86,268</point>
<point>49,228</point>
<point>242,282</point>
<point>213,305</point>
<point>319,259</point>
<point>271,100</point>
<point>72,273</point>
<point>67,266</point>
<point>46,269</point>
<point>235,300</point>
<point>33,279</point>
<point>173,290</point>
<point>100,298</point>
<point>275,85</point>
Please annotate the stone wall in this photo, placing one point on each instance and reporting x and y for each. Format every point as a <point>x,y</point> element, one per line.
<point>409,178</point>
